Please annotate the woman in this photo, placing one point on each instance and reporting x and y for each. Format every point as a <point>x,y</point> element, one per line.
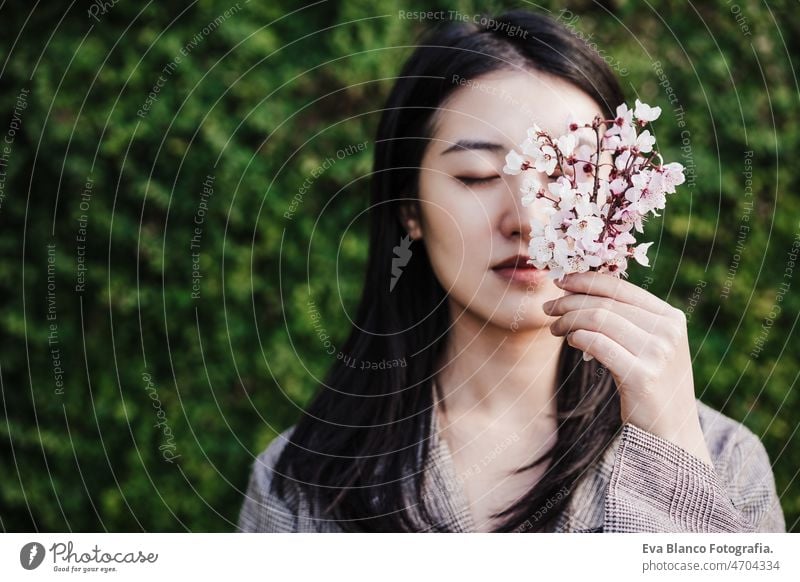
<point>495,422</point>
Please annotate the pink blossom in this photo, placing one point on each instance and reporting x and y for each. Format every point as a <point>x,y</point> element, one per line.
<point>673,176</point>
<point>629,218</point>
<point>541,248</point>
<point>587,226</point>
<point>562,190</point>
<point>580,263</point>
<point>583,160</point>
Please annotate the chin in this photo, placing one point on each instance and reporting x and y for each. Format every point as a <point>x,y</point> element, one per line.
<point>528,325</point>
<point>525,317</point>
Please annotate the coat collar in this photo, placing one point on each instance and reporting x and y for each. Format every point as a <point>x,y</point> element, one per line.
<point>584,511</point>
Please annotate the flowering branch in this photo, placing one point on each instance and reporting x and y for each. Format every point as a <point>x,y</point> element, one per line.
<point>589,217</point>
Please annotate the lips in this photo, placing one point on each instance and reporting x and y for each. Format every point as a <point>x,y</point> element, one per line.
<point>518,261</point>
<point>517,269</point>
<point>521,275</point>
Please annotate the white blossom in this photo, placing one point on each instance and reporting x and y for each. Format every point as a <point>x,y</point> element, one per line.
<point>530,188</point>
<point>514,163</point>
<point>644,112</point>
<point>640,254</point>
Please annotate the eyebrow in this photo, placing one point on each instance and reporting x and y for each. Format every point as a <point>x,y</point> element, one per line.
<point>466,144</point>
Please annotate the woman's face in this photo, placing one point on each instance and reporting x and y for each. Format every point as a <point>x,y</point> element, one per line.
<point>469,227</point>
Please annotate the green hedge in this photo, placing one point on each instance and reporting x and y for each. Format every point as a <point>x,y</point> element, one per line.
<point>130,404</point>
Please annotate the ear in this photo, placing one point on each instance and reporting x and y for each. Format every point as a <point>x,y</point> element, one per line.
<point>410,219</point>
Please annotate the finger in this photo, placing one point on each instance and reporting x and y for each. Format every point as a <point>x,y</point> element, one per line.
<point>619,361</point>
<point>622,331</point>
<point>640,317</point>
<point>593,283</point>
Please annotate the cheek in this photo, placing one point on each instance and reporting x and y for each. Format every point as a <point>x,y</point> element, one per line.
<point>449,241</point>
<point>454,219</point>
<point>457,228</point>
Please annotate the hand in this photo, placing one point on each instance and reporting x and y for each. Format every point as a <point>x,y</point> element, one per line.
<point>643,343</point>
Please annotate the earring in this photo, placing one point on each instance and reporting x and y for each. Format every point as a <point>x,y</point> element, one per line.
<point>412,229</point>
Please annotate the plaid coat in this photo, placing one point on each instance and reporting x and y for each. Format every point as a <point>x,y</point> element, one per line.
<point>643,483</point>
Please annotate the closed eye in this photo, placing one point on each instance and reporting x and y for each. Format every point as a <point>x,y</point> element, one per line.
<point>476,181</point>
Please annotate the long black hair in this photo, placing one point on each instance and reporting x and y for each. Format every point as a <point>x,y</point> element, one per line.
<point>365,437</point>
